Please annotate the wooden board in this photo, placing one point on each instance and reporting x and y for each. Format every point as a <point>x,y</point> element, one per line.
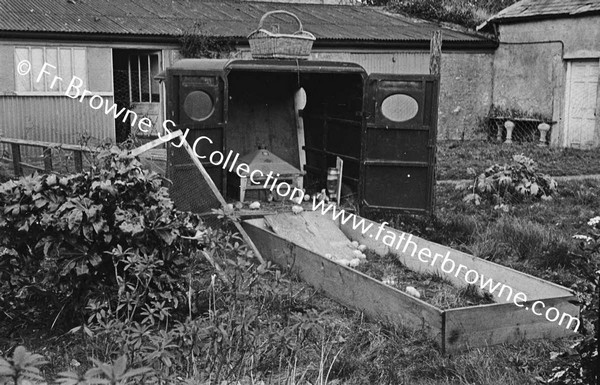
<point>312,231</point>
<point>347,286</point>
<point>503,323</point>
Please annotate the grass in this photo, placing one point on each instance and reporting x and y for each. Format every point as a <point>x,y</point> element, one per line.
<point>532,237</point>
<point>454,157</point>
<point>434,289</point>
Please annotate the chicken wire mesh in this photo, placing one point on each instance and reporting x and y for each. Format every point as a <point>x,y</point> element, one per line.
<point>189,189</point>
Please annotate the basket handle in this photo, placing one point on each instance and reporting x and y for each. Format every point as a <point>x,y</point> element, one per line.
<point>262,19</point>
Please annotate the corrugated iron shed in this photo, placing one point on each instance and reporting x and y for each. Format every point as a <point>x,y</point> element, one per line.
<point>168,19</point>
<point>529,9</point>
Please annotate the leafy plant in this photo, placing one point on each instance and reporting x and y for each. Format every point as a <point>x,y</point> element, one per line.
<point>509,183</point>
<point>497,111</point>
<point>586,368</point>
<point>22,366</point>
<point>68,239</point>
<point>197,42</point>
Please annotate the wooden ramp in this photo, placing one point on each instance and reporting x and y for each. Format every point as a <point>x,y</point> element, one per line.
<point>314,232</point>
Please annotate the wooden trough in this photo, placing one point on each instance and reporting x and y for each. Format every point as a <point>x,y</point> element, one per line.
<point>454,329</point>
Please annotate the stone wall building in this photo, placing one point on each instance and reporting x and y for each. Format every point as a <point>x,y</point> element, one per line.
<point>548,64</point>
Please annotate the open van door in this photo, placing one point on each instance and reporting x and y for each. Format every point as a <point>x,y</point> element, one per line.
<point>398,144</point>
<point>198,102</point>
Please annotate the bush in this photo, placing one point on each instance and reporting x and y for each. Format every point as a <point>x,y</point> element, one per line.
<point>153,285</point>
<point>438,10</point>
<point>468,13</point>
<point>510,183</point>
<point>68,239</point>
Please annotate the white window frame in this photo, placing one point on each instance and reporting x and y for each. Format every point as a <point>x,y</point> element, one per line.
<point>60,71</point>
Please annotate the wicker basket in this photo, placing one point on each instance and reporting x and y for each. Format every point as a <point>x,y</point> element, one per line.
<point>270,45</point>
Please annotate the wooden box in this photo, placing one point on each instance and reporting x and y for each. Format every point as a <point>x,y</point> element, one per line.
<point>454,329</point>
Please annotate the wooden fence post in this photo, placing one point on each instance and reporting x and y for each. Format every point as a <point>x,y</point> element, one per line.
<point>48,159</point>
<point>16,158</point>
<point>78,161</point>
<point>435,58</point>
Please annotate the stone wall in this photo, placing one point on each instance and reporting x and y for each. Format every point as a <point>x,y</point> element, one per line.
<point>465,94</point>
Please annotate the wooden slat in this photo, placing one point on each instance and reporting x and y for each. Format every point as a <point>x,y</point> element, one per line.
<point>348,286</point>
<point>29,165</point>
<point>34,143</point>
<point>155,143</point>
<point>484,325</point>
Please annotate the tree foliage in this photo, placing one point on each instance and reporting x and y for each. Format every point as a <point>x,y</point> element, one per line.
<point>469,13</point>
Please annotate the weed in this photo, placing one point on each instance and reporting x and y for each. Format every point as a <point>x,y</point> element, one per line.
<point>510,183</point>
<point>197,42</point>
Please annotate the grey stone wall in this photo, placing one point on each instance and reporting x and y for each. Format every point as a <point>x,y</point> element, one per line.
<point>465,94</point>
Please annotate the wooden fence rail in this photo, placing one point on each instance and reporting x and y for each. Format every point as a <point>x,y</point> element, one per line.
<point>18,162</point>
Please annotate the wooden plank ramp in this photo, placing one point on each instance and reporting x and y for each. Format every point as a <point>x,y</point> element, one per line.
<point>312,231</point>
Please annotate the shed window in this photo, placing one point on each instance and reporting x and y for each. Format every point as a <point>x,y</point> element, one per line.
<point>64,62</point>
<point>142,69</point>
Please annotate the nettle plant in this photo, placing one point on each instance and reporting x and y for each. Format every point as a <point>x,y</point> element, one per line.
<point>509,183</point>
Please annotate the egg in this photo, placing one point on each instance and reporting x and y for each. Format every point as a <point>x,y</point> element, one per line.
<point>254,205</point>
<point>297,209</point>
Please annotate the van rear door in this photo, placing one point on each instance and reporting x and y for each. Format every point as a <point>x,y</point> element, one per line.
<point>399,144</point>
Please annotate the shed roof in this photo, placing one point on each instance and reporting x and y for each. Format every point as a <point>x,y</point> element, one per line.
<point>166,19</point>
<point>536,9</point>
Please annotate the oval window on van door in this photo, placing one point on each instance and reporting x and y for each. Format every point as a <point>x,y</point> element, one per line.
<point>399,107</point>
<point>198,105</point>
